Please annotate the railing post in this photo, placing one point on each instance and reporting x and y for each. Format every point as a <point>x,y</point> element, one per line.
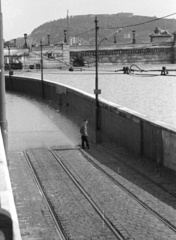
<point>41,46</point>
<point>96,91</point>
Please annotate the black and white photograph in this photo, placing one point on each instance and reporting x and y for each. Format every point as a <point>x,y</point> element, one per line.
<point>87,120</point>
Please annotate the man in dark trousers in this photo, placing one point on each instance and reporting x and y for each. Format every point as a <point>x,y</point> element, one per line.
<point>84,134</point>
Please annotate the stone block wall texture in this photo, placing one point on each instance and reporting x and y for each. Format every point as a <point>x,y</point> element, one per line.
<point>127,54</point>
<point>118,125</point>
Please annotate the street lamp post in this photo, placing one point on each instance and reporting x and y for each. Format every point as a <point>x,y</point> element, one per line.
<point>96,91</point>
<point>14,42</point>
<point>10,70</point>
<point>115,41</point>
<point>25,40</point>
<point>65,36</point>
<point>134,39</point>
<point>48,39</point>
<point>41,67</point>
<point>9,60</point>
<point>3,121</point>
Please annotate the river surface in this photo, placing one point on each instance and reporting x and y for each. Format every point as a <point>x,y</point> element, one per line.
<point>149,93</point>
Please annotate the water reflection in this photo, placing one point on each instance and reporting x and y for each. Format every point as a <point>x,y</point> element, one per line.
<point>33,123</point>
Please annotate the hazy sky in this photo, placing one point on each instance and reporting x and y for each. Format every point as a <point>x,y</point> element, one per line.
<point>23,16</point>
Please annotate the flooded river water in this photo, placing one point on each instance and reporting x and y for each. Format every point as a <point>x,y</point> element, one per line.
<point>149,93</point>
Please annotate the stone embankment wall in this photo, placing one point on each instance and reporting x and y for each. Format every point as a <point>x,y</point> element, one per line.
<point>126,54</point>
<point>118,125</point>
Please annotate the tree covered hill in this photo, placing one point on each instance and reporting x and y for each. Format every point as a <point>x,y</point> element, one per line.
<point>83,28</point>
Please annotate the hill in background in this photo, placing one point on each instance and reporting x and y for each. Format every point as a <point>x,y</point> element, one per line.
<point>107,24</point>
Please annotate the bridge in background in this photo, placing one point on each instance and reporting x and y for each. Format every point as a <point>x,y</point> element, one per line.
<point>161,49</point>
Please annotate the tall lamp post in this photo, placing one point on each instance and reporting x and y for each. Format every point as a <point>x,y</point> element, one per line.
<point>14,42</point>
<point>134,38</point>
<point>65,36</point>
<point>3,121</point>
<point>10,69</point>
<point>10,61</point>
<point>41,67</point>
<point>25,40</point>
<point>98,91</point>
<point>48,39</point>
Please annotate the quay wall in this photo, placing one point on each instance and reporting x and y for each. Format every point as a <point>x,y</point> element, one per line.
<point>118,125</point>
<point>125,54</point>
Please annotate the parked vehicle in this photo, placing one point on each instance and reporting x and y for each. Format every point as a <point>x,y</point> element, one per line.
<point>14,66</point>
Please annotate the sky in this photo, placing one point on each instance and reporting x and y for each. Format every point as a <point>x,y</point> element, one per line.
<point>23,16</point>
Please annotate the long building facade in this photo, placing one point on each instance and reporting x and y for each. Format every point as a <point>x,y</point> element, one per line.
<point>161,49</point>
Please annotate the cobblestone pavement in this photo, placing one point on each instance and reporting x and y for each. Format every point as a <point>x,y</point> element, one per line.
<point>34,218</point>
<point>131,169</point>
<point>78,218</point>
<point>125,213</point>
<point>129,217</point>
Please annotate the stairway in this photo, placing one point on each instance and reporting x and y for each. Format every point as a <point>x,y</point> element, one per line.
<point>34,61</point>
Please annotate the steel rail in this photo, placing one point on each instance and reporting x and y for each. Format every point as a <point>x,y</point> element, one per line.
<point>55,219</point>
<point>145,177</point>
<point>162,219</point>
<point>91,201</point>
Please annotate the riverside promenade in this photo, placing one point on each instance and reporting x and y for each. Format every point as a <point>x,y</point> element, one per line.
<point>46,128</point>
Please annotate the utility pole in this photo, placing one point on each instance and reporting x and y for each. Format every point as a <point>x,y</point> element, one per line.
<point>25,40</point>
<point>41,67</point>
<point>134,38</point>
<point>65,36</point>
<point>96,91</point>
<point>68,29</point>
<point>48,40</point>
<point>3,121</point>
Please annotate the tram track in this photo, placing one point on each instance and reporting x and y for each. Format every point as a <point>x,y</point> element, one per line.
<point>61,233</point>
<point>130,193</point>
<point>109,203</point>
<point>142,174</point>
<point>101,214</point>
<point>143,204</point>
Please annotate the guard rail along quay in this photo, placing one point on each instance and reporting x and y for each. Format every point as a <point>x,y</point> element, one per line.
<point>117,125</point>
<point>9,226</point>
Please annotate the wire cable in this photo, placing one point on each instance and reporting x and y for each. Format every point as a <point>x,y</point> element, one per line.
<point>137,24</point>
<point>84,32</point>
<point>127,26</point>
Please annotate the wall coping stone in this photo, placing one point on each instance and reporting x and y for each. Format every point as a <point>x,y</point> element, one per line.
<point>125,112</point>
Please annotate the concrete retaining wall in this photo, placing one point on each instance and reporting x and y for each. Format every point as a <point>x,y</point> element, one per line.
<point>127,53</point>
<point>118,125</point>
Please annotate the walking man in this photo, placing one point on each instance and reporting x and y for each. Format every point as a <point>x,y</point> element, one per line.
<point>84,134</point>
